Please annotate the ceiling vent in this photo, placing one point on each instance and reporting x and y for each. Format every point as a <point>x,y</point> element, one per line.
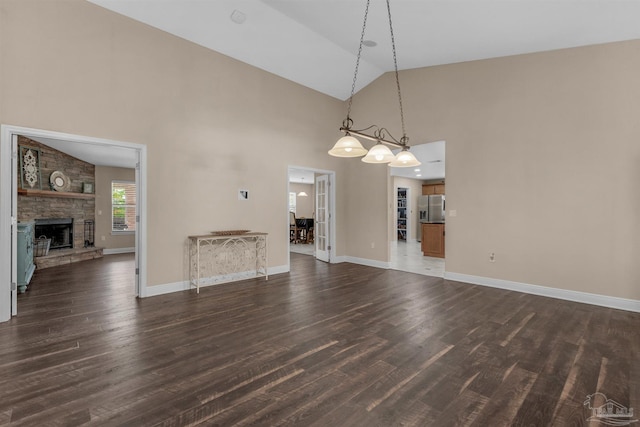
<point>238,17</point>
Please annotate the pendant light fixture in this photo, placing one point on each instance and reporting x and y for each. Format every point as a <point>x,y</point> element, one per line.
<point>379,153</point>
<point>302,193</point>
<point>404,159</point>
<point>349,146</point>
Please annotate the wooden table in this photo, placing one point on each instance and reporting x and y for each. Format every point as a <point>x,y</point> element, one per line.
<point>217,259</point>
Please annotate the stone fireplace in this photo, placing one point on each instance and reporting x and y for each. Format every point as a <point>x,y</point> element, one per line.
<point>60,216</point>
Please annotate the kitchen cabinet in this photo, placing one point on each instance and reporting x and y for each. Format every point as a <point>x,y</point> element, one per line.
<point>25,265</point>
<point>429,189</point>
<point>433,240</point>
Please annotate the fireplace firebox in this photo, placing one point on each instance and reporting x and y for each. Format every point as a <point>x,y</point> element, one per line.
<point>59,230</point>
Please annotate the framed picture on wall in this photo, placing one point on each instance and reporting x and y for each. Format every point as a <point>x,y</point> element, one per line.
<point>30,177</point>
<point>87,187</point>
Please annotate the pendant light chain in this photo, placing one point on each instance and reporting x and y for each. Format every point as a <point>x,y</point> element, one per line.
<point>404,138</point>
<point>350,146</point>
<point>355,74</point>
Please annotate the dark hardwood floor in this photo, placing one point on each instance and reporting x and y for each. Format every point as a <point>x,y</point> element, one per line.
<point>326,345</point>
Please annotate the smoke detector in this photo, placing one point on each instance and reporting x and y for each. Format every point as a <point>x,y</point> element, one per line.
<point>238,17</point>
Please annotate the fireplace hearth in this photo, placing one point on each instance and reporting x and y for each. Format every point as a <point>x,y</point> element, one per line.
<point>59,230</point>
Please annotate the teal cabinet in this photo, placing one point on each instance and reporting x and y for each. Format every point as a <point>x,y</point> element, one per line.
<point>25,264</point>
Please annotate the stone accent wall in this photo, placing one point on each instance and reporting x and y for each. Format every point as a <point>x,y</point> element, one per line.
<point>30,207</point>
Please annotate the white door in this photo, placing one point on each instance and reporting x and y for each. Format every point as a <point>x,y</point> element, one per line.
<point>14,226</point>
<point>136,285</point>
<point>321,227</point>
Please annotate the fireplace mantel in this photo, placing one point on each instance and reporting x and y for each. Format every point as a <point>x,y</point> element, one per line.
<point>45,193</point>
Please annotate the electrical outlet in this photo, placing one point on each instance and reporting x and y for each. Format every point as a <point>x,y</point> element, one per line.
<point>103,238</point>
<point>492,257</point>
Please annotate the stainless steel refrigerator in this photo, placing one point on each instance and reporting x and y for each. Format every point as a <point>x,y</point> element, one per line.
<point>430,210</point>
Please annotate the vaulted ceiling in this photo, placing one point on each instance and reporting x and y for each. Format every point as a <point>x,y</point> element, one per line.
<point>315,42</point>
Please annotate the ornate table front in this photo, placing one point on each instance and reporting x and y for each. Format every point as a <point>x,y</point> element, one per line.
<point>217,259</point>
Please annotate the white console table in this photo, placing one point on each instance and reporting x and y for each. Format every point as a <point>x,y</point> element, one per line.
<point>217,259</point>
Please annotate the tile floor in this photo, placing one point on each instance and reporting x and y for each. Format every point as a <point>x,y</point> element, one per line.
<point>302,248</point>
<point>405,256</point>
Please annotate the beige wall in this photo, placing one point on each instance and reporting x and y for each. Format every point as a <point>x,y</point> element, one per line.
<point>555,129</point>
<point>543,163</point>
<point>366,210</point>
<point>304,205</point>
<point>209,122</point>
<point>104,176</point>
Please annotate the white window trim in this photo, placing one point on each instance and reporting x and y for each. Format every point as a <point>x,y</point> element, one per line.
<point>121,232</point>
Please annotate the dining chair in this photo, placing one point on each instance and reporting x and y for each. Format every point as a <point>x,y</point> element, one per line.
<point>311,229</point>
<point>303,228</point>
<point>294,232</point>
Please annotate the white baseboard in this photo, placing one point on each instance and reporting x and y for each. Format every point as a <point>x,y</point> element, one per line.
<point>118,251</point>
<point>338,259</point>
<point>278,269</point>
<point>167,288</point>
<point>361,261</point>
<point>576,296</point>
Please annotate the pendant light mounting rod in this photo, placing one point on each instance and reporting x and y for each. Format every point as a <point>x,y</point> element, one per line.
<point>379,134</point>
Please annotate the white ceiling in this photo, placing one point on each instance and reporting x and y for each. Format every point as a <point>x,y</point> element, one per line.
<point>96,154</point>
<point>432,157</point>
<point>315,42</point>
<point>301,176</point>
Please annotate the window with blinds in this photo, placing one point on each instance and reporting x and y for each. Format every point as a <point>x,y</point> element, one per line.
<point>292,202</point>
<point>123,206</point>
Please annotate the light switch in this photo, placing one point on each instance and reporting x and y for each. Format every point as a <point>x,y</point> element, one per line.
<point>453,213</point>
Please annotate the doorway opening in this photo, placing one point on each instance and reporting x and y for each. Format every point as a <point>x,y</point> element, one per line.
<point>85,149</point>
<point>410,249</point>
<point>311,213</point>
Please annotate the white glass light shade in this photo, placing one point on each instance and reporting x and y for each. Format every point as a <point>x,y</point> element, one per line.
<point>380,153</point>
<point>302,194</point>
<point>348,146</point>
<point>404,159</point>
